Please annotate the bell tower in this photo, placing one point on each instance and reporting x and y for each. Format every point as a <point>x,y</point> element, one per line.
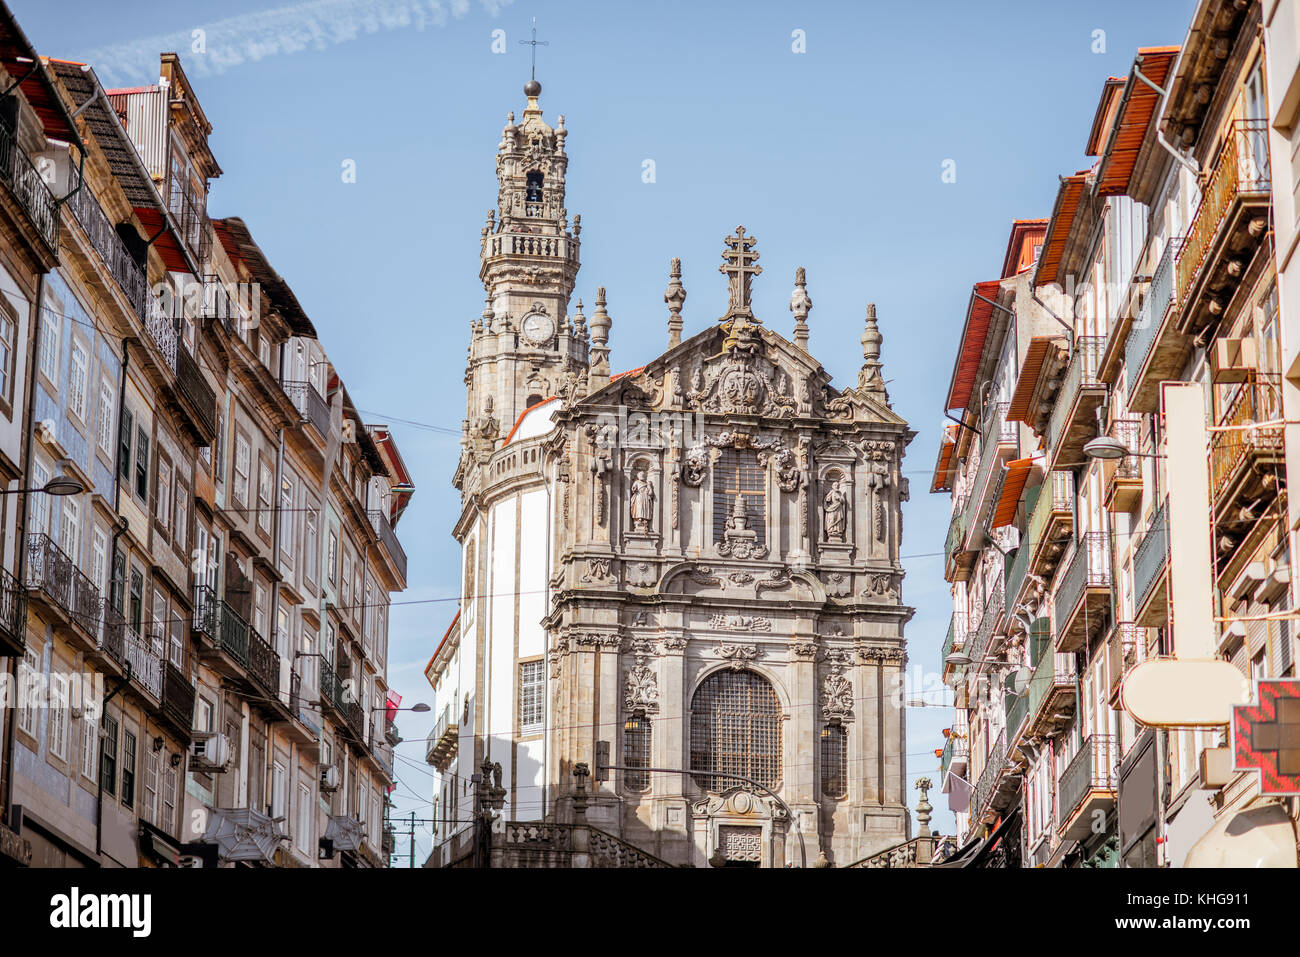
<point>526,341</point>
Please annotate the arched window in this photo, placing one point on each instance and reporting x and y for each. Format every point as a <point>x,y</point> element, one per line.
<point>636,751</point>
<point>533,191</point>
<point>532,400</point>
<point>736,729</point>
<point>835,761</point>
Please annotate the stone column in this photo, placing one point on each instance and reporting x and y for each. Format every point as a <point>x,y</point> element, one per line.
<point>801,745</point>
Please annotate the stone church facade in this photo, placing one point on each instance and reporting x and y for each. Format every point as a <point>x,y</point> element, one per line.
<point>692,565</point>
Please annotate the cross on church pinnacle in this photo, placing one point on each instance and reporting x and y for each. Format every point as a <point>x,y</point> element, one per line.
<point>535,43</point>
<point>741,268</point>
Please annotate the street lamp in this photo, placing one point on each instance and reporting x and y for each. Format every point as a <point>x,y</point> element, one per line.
<point>1108,448</point>
<point>421,708</point>
<point>63,484</point>
<point>959,659</point>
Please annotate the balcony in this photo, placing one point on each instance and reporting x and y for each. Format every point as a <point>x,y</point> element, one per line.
<point>990,618</point>
<point>1000,441</point>
<point>1150,559</point>
<point>989,788</point>
<point>226,632</point>
<point>955,755</point>
<point>128,274</point>
<point>1229,227</point>
<point>310,405</point>
<point>27,189</point>
<point>178,700</point>
<point>192,221</point>
<point>1083,596</point>
<point>955,640</point>
<point>388,538</point>
<point>1051,693</point>
<point>13,615</point>
<point>957,560</point>
<point>1122,649</point>
<point>195,389</point>
<point>1123,477</point>
<point>143,656</point>
<point>1244,459</point>
<point>1018,578</point>
<point>1074,417</point>
<point>1154,351</point>
<point>263,665</point>
<point>337,693</point>
<point>59,585</point>
<point>1050,524</point>
<point>442,742</point>
<point>1088,785</point>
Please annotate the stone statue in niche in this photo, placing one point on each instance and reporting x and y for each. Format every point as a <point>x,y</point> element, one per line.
<point>642,500</point>
<point>835,512</point>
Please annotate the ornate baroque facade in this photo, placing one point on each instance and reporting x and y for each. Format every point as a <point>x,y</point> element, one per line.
<point>690,565</point>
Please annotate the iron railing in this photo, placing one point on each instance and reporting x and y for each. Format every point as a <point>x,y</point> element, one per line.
<point>1151,316</point>
<point>162,330</point>
<point>1055,500</point>
<point>1129,432</point>
<point>1259,399</point>
<point>998,431</point>
<point>388,538</point>
<point>195,388</point>
<point>1088,568</point>
<point>13,608</point>
<point>1122,652</point>
<point>29,188</point>
<point>263,664</point>
<point>993,768</point>
<point>953,749</point>
<point>177,697</point>
<point>956,637</point>
<point>126,272</point>
<point>309,403</point>
<point>223,626</point>
<point>1081,372</point>
<point>989,617</point>
<point>1092,769</point>
<point>1016,576</point>
<point>145,661</point>
<point>1151,555</point>
<point>50,570</point>
<point>1242,167</point>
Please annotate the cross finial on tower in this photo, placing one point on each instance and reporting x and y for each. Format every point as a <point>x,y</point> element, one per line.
<point>535,43</point>
<point>741,268</point>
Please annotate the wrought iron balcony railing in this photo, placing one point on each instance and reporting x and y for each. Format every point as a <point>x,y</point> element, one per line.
<point>51,571</point>
<point>994,765</point>
<point>177,697</point>
<point>28,187</point>
<point>1088,568</point>
<point>201,396</point>
<point>1259,399</point>
<point>1092,769</point>
<point>263,664</point>
<point>1151,555</point>
<point>1142,334</point>
<point>956,637</point>
<point>13,611</point>
<point>309,403</point>
<point>1080,374</point>
<point>388,538</point>
<point>990,615</point>
<point>142,654</point>
<point>126,272</point>
<point>1243,167</point>
<point>223,626</point>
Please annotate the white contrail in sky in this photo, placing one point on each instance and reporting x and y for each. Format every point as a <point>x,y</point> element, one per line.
<point>250,37</point>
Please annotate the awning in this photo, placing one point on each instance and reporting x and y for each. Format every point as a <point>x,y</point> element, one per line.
<point>1040,347</point>
<point>1058,230</point>
<point>19,58</point>
<point>979,314</point>
<point>1136,108</point>
<point>1013,484</point>
<point>942,481</point>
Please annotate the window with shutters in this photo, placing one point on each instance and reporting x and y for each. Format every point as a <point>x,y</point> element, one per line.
<point>108,756</point>
<point>89,745</point>
<point>242,465</point>
<point>128,768</point>
<point>264,492</point>
<point>532,695</point>
<point>739,487</point>
<point>735,729</point>
<point>168,819</point>
<point>302,833</point>
<point>142,464</point>
<point>99,559</point>
<point>277,789</point>
<point>311,545</point>
<point>125,433</point>
<point>163,493</point>
<point>28,705</point>
<point>835,760</point>
<point>107,408</point>
<point>287,524</point>
<point>149,792</point>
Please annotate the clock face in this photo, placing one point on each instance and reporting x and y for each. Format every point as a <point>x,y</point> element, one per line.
<point>538,328</point>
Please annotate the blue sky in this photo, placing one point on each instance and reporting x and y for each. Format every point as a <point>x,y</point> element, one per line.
<point>831,158</point>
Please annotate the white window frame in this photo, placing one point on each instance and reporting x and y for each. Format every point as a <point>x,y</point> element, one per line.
<point>78,379</point>
<point>107,434</point>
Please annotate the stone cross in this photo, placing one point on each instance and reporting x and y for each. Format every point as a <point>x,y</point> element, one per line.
<point>740,267</point>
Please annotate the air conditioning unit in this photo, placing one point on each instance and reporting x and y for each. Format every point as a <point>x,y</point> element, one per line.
<point>210,751</point>
<point>329,778</point>
<point>1232,360</point>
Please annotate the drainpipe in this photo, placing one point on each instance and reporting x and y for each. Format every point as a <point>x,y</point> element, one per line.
<point>20,536</point>
<point>99,786</point>
<point>1189,164</point>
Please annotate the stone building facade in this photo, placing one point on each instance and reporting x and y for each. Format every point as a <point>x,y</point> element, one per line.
<point>691,565</point>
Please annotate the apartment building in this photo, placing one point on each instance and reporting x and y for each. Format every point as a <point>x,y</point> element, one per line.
<point>218,486</point>
<point>1158,260</point>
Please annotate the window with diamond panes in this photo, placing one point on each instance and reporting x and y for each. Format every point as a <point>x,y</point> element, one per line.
<point>738,473</point>
<point>531,695</point>
<point>735,730</point>
<point>835,761</point>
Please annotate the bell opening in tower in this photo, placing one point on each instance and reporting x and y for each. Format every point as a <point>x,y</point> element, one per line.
<point>533,191</point>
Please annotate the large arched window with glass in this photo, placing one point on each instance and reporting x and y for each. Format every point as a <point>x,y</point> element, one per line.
<point>735,730</point>
<point>835,760</point>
